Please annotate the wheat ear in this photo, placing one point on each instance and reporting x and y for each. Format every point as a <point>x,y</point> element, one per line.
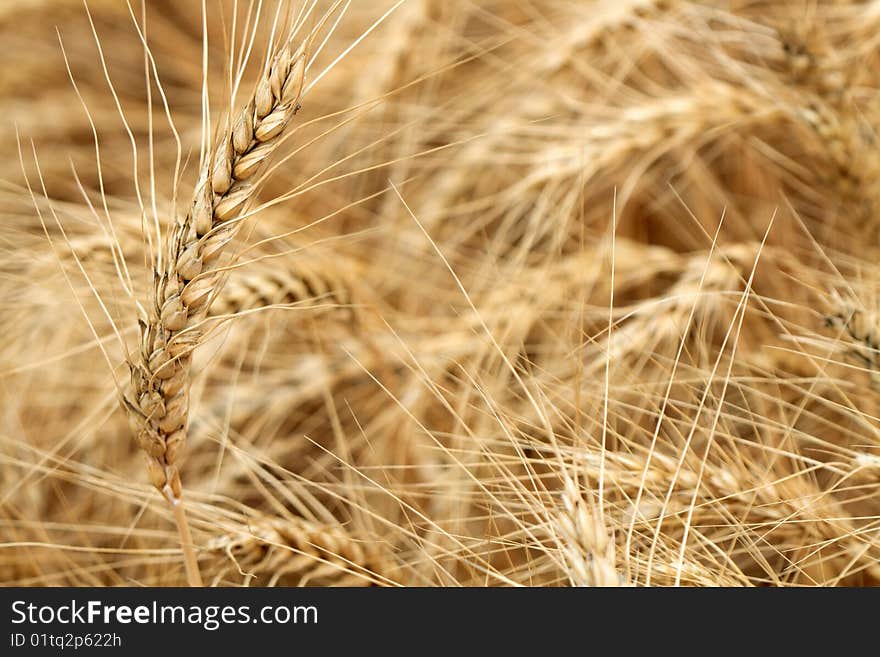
<point>188,277</point>
<point>588,550</point>
<point>277,547</point>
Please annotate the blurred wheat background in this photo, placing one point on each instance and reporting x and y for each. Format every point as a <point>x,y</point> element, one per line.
<point>539,292</point>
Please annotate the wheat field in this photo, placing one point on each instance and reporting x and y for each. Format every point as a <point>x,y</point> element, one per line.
<point>440,293</point>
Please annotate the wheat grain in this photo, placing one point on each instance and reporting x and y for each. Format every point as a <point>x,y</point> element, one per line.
<point>307,283</point>
<point>158,400</point>
<point>280,549</point>
<point>861,329</point>
<point>587,548</point>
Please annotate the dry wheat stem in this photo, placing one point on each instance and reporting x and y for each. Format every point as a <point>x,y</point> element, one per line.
<point>158,399</point>
<point>273,547</point>
<point>586,547</point>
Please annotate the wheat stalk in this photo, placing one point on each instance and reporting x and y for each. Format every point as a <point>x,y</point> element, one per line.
<point>859,329</point>
<point>308,283</point>
<point>187,277</point>
<point>277,547</point>
<point>588,550</point>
